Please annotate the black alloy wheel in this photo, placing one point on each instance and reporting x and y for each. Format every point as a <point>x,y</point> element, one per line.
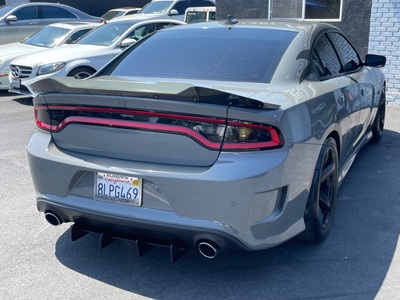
<point>321,204</point>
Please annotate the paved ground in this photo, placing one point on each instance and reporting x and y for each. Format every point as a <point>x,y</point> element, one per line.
<point>359,260</point>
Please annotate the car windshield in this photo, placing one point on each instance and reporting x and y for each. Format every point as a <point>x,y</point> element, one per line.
<point>105,35</point>
<point>158,7</point>
<point>112,14</point>
<point>239,54</point>
<point>47,37</point>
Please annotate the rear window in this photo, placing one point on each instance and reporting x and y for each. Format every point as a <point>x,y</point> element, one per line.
<point>222,54</point>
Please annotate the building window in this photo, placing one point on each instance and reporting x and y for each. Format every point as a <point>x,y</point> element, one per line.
<point>324,10</point>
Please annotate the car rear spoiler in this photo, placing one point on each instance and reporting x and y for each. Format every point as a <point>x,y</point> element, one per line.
<point>159,90</point>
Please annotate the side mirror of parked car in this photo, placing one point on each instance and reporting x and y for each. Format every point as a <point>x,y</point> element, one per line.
<point>11,18</point>
<point>127,42</point>
<point>373,60</point>
<point>173,12</point>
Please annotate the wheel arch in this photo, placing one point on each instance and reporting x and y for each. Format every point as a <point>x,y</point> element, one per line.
<point>81,66</point>
<point>335,135</point>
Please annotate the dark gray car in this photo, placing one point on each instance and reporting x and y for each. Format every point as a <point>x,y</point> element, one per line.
<point>17,21</point>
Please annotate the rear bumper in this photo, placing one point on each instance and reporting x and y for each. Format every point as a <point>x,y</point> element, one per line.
<point>136,229</point>
<point>250,201</point>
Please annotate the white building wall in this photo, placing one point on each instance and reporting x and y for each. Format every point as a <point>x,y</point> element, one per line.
<point>384,40</point>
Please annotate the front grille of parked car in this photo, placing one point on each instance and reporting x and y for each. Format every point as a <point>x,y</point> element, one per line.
<point>20,71</point>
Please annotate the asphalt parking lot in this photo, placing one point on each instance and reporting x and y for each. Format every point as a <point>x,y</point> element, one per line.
<point>359,260</point>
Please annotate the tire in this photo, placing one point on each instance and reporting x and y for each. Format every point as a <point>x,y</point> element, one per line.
<point>379,122</point>
<point>81,72</point>
<point>321,203</point>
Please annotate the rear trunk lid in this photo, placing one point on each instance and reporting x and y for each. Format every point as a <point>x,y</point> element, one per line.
<point>168,123</point>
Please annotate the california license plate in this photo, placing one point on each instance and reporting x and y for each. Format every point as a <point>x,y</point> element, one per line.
<point>118,188</point>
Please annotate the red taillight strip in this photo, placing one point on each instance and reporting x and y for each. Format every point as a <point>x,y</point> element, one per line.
<point>141,126</point>
<point>274,142</point>
<point>42,125</point>
<point>132,112</point>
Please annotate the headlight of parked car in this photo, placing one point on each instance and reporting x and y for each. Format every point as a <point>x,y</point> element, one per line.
<point>50,68</point>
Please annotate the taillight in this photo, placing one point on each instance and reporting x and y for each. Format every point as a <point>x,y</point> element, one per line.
<point>249,136</point>
<point>212,133</point>
<point>42,117</point>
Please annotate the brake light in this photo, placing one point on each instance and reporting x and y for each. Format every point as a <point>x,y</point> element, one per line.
<point>213,133</point>
<point>250,136</point>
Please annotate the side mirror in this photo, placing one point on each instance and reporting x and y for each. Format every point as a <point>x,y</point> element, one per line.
<point>10,18</point>
<point>127,42</point>
<point>373,60</point>
<point>173,12</point>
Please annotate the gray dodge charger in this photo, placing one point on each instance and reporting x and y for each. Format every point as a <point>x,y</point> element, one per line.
<point>213,136</point>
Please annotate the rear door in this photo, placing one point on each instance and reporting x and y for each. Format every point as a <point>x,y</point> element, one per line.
<point>352,67</point>
<point>346,91</point>
<point>51,14</point>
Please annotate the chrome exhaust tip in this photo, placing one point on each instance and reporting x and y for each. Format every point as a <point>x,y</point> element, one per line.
<point>52,218</point>
<point>208,249</point>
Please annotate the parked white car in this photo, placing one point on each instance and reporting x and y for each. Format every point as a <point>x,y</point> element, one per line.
<point>85,57</point>
<point>200,14</point>
<point>172,8</point>
<point>51,36</point>
<point>120,12</point>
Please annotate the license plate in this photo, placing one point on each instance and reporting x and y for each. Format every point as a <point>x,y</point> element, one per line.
<point>118,188</point>
<point>16,83</point>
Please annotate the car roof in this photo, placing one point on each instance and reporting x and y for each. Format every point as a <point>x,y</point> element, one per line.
<point>175,0</point>
<point>124,8</point>
<point>137,18</point>
<point>38,3</point>
<point>74,10</point>
<point>279,24</point>
<point>73,24</point>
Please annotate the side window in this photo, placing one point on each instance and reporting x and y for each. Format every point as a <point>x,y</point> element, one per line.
<point>181,7</point>
<point>209,3</point>
<point>196,3</point>
<point>324,58</point>
<point>27,13</point>
<point>211,16</point>
<point>142,31</point>
<point>51,12</point>
<point>164,25</point>
<point>132,12</point>
<point>350,57</point>
<point>76,35</point>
